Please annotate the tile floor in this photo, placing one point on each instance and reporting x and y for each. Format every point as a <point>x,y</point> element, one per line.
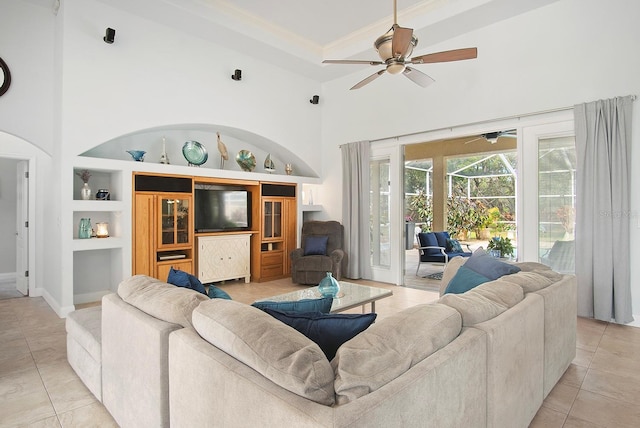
<point>38,388</point>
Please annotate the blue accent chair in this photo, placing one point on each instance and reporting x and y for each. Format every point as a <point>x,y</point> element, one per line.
<point>433,248</point>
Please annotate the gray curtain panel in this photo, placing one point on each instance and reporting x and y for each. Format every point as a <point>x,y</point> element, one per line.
<point>355,208</point>
<point>603,148</point>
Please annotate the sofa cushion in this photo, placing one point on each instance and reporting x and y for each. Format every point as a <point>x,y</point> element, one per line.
<point>488,266</point>
<point>305,305</point>
<point>534,280</point>
<point>441,238</point>
<point>473,307</point>
<point>315,245</point>
<point>161,300</point>
<point>390,347</point>
<point>329,331</point>
<point>273,349</point>
<point>501,291</point>
<point>85,327</point>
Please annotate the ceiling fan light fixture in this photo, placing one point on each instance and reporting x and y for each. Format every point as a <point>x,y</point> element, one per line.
<point>384,46</point>
<point>395,68</point>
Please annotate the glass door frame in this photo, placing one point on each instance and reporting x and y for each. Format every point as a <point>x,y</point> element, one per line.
<point>392,152</point>
<point>528,220</point>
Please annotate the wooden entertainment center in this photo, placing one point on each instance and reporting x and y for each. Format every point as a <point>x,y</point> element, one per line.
<point>164,233</point>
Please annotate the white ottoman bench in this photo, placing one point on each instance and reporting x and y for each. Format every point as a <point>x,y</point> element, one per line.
<point>84,347</point>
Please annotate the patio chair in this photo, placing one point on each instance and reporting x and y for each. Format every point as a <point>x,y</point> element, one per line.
<point>560,257</point>
<point>438,247</point>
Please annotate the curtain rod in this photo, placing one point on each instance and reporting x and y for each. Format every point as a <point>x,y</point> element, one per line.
<point>518,116</point>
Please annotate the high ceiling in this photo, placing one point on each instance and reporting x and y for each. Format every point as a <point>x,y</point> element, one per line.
<point>300,34</point>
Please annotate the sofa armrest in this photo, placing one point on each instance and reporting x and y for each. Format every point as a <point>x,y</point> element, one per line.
<point>296,254</point>
<point>441,249</point>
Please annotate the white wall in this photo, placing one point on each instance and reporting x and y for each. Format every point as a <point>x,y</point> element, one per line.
<point>26,45</point>
<point>569,52</point>
<point>8,194</point>
<point>153,75</point>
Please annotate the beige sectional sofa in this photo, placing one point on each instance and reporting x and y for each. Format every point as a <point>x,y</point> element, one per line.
<point>485,358</point>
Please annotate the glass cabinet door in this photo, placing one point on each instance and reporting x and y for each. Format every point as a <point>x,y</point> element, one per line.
<point>174,217</point>
<point>272,219</point>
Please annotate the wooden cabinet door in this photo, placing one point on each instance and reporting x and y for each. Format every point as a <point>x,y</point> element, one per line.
<point>174,221</point>
<point>144,248</point>
<point>271,219</point>
<point>290,228</point>
<point>164,268</point>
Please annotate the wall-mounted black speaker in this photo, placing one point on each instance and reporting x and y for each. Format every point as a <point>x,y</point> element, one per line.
<point>315,99</point>
<point>110,35</point>
<point>237,75</point>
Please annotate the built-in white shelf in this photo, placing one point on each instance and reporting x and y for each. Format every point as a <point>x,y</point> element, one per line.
<point>97,205</point>
<point>311,207</point>
<point>97,244</point>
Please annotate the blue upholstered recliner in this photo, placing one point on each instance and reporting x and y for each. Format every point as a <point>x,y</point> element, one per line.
<point>438,247</point>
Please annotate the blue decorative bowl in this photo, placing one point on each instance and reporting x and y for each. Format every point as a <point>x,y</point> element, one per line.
<point>137,155</point>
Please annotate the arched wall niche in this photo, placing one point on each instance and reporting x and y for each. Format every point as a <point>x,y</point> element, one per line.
<point>174,136</point>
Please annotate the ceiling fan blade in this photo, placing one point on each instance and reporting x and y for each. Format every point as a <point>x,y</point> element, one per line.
<point>418,77</point>
<point>401,41</point>
<point>351,61</point>
<point>475,139</point>
<point>446,56</point>
<point>369,79</point>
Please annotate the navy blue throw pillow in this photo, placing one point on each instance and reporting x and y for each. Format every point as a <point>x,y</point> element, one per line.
<point>464,280</point>
<point>183,279</point>
<point>305,305</point>
<point>178,278</point>
<point>329,331</point>
<point>218,293</point>
<point>315,245</point>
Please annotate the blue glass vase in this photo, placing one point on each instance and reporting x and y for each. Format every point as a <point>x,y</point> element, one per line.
<point>328,286</point>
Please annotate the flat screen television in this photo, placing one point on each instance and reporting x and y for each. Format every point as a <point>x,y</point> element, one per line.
<point>221,208</point>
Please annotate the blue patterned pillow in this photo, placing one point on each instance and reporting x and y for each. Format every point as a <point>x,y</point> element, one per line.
<point>453,246</point>
<point>329,331</point>
<point>305,305</point>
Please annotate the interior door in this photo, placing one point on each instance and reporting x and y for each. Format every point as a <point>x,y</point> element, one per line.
<point>22,230</point>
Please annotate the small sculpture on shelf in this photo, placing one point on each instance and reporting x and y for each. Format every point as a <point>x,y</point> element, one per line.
<point>269,166</point>
<point>164,159</point>
<point>288,169</point>
<point>224,154</point>
<point>84,229</point>
<point>85,192</point>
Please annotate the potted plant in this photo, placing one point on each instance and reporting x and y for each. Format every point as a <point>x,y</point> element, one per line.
<point>500,246</point>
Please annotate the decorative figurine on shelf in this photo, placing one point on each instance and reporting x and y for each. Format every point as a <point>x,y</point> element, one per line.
<point>103,195</point>
<point>85,192</point>
<point>84,229</point>
<point>288,169</point>
<point>164,159</point>
<point>269,166</point>
<point>224,155</point>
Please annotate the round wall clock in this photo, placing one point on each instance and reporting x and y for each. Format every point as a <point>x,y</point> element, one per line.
<point>5,77</point>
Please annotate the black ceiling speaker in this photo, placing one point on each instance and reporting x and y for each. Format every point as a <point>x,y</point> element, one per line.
<point>237,75</point>
<point>110,35</point>
<point>315,99</point>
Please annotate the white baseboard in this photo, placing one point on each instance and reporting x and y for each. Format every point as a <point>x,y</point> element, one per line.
<point>95,296</point>
<point>8,277</point>
<point>636,322</point>
<point>60,311</point>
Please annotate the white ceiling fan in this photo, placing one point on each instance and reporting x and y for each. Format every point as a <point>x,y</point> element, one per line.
<point>395,47</point>
<point>492,137</point>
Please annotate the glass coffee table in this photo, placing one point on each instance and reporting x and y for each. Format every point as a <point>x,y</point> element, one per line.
<point>350,296</point>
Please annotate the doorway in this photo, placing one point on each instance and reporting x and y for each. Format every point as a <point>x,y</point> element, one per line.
<point>14,191</point>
